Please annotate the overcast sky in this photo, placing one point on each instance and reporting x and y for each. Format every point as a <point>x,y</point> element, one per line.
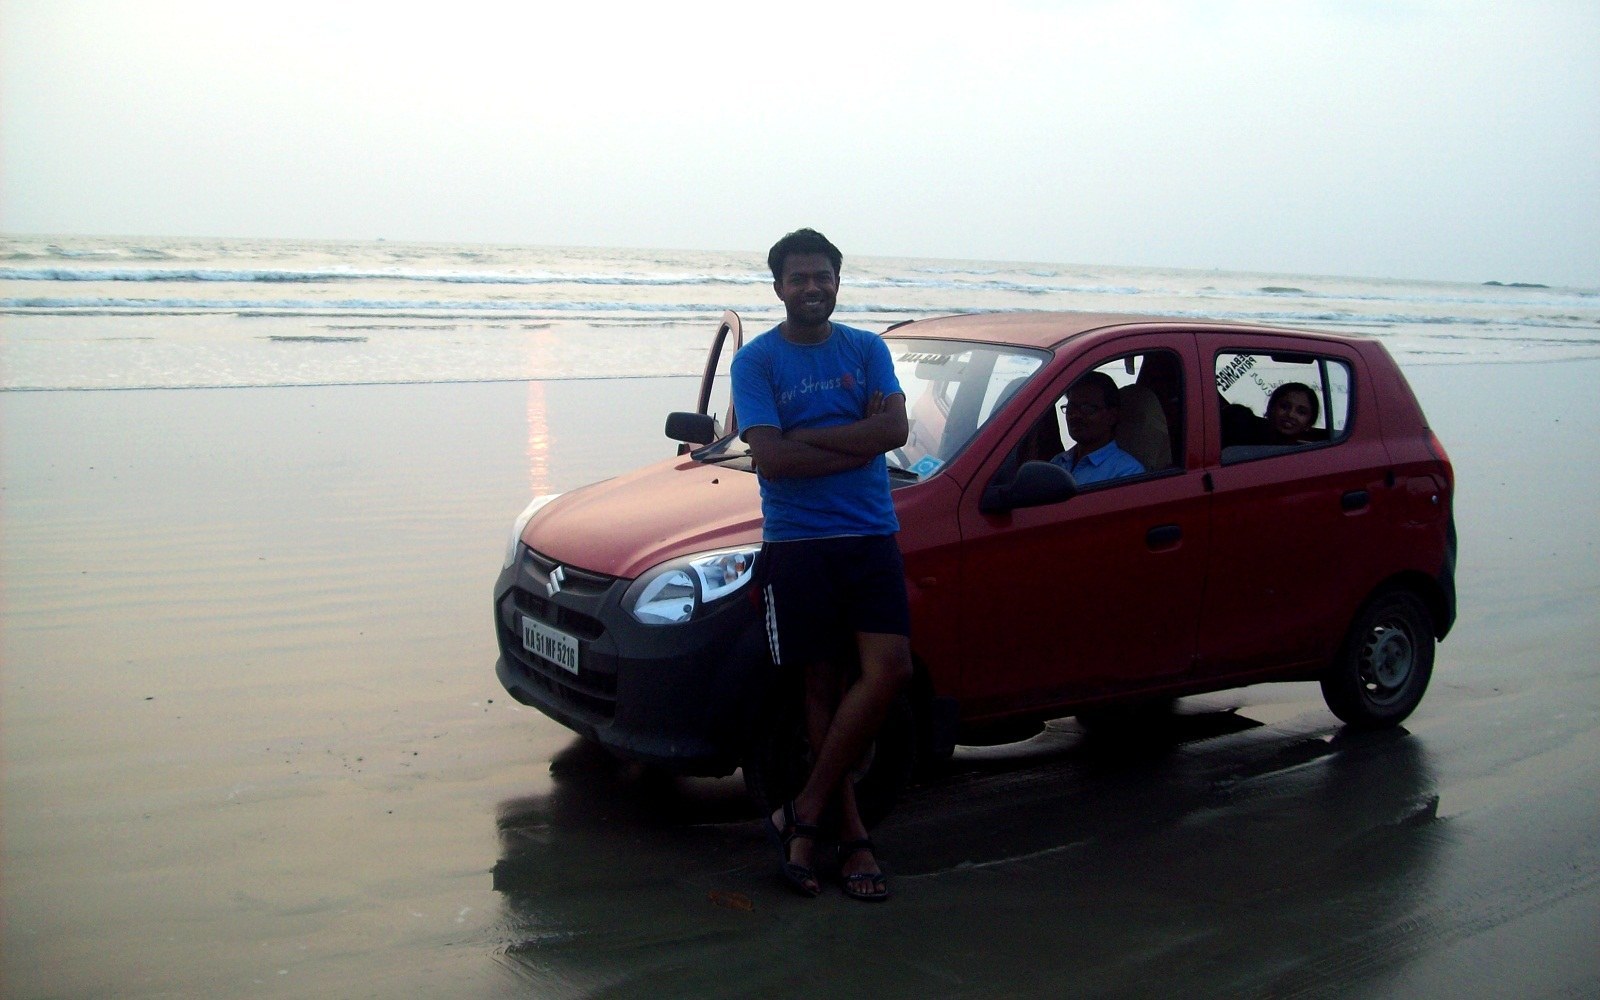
<point>1448,139</point>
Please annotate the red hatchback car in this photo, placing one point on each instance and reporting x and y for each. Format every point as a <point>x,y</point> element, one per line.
<point>624,609</point>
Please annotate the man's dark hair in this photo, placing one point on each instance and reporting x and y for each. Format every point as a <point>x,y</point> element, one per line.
<point>1108,388</point>
<point>802,241</point>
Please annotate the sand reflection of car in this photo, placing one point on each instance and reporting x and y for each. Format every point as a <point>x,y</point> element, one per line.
<point>624,609</point>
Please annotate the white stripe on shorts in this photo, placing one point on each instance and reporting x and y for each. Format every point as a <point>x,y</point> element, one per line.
<point>772,626</point>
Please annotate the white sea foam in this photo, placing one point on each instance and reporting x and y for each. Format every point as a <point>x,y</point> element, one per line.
<point>106,312</point>
<point>275,276</point>
<point>323,307</point>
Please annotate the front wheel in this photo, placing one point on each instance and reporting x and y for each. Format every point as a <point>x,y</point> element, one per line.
<point>1384,664</point>
<point>778,756</point>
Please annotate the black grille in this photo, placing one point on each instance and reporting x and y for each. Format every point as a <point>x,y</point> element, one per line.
<point>592,692</point>
<point>578,581</point>
<point>567,620</point>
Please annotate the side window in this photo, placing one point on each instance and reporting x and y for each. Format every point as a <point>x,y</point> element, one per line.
<point>1276,403</point>
<point>1122,420</point>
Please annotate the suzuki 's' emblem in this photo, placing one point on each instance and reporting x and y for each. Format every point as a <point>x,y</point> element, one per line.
<point>554,586</point>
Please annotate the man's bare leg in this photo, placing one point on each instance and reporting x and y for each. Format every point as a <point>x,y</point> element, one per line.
<point>823,680</point>
<point>885,668</point>
<point>851,827</point>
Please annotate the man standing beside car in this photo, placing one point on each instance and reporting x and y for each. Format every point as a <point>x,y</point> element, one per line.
<point>820,405</point>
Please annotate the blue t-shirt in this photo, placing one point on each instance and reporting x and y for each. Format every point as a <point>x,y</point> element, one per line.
<point>1100,465</point>
<point>778,383</point>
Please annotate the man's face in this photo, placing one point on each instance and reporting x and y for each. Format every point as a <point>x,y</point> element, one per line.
<point>809,287</point>
<point>1090,422</point>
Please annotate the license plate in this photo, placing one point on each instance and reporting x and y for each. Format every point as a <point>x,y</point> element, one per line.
<point>550,644</point>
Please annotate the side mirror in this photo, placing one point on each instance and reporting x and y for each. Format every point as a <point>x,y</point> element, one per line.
<point>1036,484</point>
<point>692,428</point>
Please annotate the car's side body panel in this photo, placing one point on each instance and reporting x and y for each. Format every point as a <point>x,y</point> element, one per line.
<point>1423,480</point>
<point>930,542</point>
<point>1295,534</point>
<point>1070,601</point>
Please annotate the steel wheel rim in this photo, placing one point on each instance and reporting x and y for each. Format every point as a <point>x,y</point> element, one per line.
<point>1388,658</point>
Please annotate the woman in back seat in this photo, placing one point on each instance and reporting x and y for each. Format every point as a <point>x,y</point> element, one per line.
<point>1291,412</point>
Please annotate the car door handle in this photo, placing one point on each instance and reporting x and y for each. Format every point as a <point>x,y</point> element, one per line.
<point>1355,500</point>
<point>1163,536</point>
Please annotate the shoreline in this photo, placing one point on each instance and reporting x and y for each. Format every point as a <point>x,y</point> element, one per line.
<point>594,369</point>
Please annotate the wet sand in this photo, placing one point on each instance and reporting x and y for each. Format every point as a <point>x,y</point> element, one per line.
<point>253,745</point>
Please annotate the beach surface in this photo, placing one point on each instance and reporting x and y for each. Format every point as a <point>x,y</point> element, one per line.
<point>253,744</point>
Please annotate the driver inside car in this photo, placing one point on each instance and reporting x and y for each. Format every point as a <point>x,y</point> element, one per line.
<point>1092,409</point>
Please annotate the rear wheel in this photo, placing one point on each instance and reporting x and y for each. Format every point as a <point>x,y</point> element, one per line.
<point>1385,662</point>
<point>778,756</point>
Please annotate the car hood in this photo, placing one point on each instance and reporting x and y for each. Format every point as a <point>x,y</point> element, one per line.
<point>623,526</point>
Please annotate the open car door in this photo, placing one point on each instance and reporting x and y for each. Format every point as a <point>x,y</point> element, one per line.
<point>702,426</point>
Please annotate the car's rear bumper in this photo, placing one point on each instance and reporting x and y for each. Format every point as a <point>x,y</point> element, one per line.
<point>1447,583</point>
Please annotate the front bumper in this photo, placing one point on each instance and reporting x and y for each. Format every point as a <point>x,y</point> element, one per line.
<point>676,696</point>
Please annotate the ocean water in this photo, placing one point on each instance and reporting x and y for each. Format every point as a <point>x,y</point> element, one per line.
<point>104,313</point>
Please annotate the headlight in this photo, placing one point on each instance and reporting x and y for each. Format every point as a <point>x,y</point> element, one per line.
<point>671,593</point>
<point>522,522</point>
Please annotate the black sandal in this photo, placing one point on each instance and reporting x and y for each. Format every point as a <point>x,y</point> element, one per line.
<point>801,878</point>
<point>871,887</point>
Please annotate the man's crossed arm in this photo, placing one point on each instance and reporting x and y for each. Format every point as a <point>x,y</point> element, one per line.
<point>820,451</point>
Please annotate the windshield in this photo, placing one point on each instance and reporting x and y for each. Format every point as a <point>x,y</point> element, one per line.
<point>953,389</point>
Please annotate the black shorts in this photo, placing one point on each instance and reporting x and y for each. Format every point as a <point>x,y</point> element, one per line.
<point>820,592</point>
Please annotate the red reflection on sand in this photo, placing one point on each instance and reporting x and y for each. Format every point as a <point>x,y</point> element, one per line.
<point>538,441</point>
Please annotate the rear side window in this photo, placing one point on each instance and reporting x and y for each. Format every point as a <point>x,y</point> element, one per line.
<point>1273,404</point>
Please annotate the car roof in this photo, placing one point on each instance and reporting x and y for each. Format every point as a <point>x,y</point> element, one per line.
<point>1047,330</point>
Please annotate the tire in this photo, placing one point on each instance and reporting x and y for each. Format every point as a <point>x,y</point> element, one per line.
<point>777,755</point>
<point>1384,664</point>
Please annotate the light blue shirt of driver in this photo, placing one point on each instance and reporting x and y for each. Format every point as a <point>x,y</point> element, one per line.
<point>1100,465</point>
